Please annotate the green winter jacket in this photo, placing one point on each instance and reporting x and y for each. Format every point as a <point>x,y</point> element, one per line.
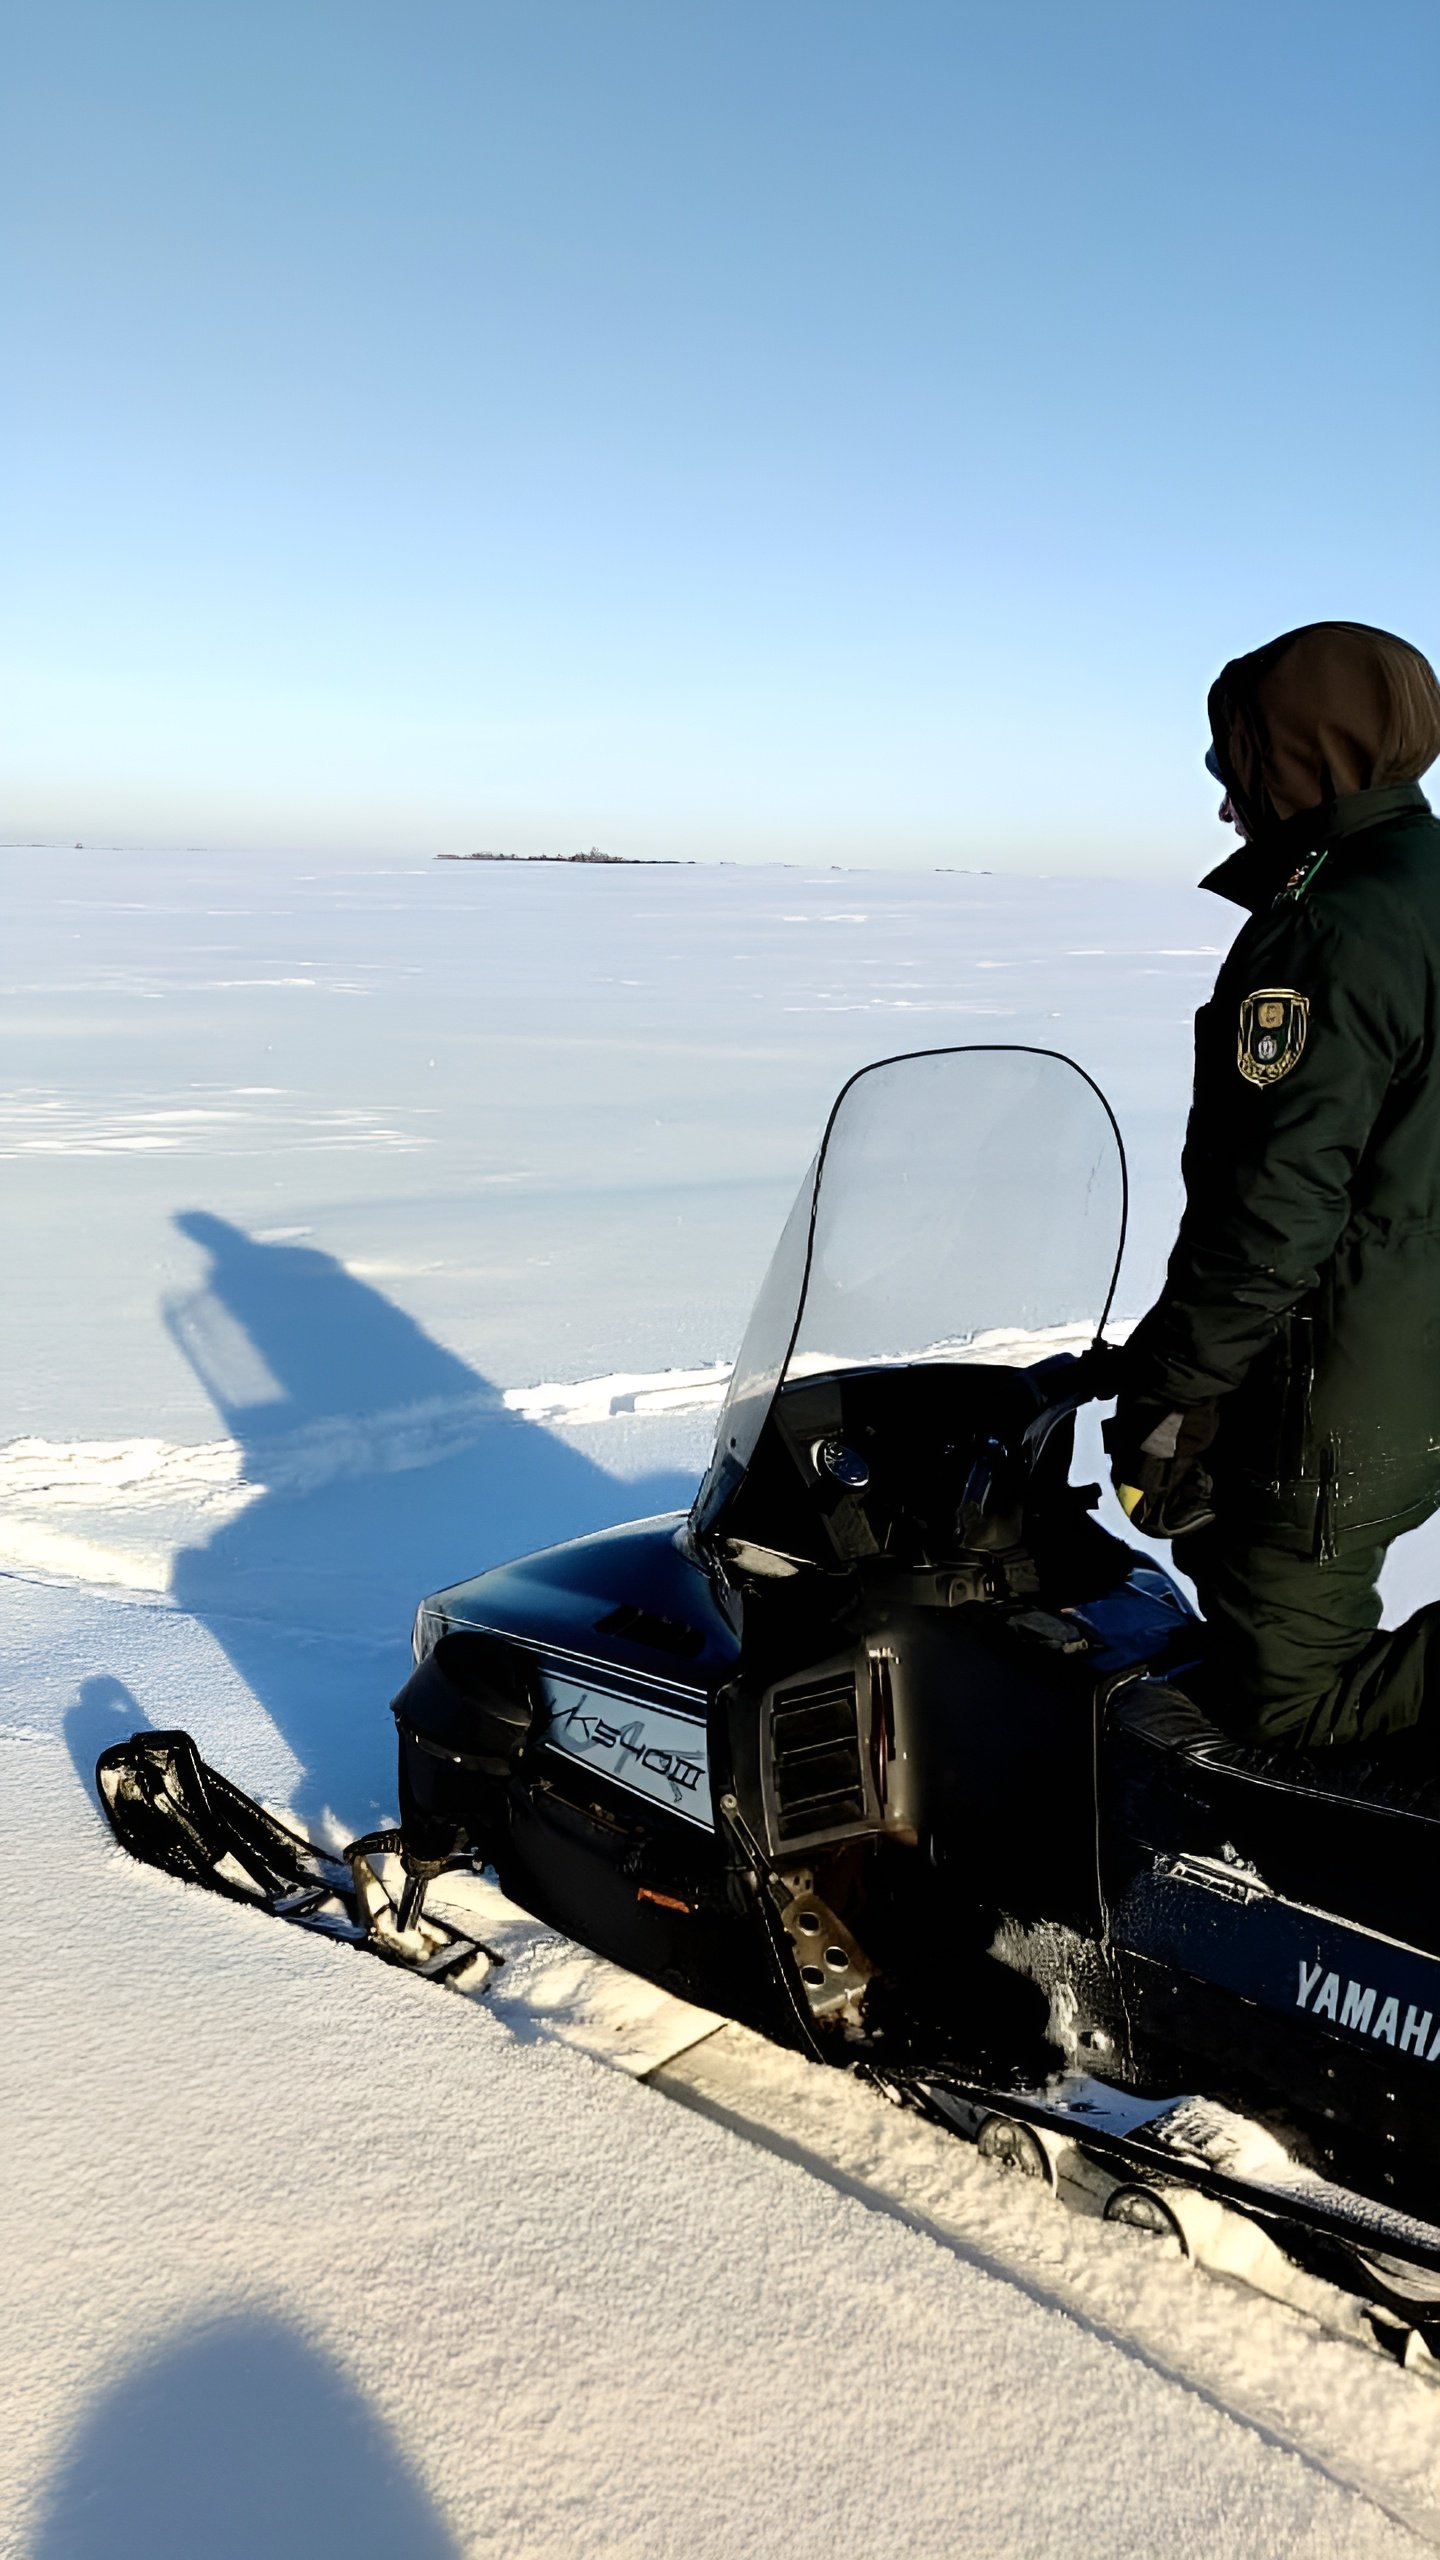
<point>1304,1287</point>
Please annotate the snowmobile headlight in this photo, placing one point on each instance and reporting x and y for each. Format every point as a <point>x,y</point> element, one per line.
<point>427,1631</point>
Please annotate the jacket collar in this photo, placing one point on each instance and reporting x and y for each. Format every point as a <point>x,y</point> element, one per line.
<point>1255,875</point>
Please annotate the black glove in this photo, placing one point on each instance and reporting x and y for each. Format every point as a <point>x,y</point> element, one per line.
<point>1155,1455</point>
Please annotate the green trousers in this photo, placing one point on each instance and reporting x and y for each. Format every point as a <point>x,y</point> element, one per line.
<point>1296,1652</point>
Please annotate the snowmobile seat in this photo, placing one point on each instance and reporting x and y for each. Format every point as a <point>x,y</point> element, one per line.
<point>1355,1832</point>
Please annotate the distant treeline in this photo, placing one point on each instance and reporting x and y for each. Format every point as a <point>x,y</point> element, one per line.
<point>651,861</point>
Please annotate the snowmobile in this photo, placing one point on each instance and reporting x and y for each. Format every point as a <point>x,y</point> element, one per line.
<point>890,1750</point>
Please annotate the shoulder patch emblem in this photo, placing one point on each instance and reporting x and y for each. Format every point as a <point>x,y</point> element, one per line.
<point>1273,1024</point>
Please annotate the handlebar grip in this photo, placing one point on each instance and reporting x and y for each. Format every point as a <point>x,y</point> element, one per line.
<point>1080,1377</point>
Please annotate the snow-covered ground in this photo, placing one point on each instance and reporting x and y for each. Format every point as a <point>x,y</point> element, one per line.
<point>366,1223</point>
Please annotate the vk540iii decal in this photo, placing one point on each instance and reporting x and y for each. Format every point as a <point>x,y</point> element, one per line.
<point>641,1746</point>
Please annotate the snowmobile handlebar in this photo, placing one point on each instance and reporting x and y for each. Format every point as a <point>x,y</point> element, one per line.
<point>1065,1382</point>
<point>1069,1379</point>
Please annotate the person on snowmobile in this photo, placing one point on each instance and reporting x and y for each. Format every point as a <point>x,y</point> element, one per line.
<point>1280,1415</point>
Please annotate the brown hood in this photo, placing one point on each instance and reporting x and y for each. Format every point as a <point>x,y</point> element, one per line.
<point>1322,712</point>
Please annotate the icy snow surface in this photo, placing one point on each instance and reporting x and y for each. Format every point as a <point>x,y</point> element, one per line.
<point>369,1222</point>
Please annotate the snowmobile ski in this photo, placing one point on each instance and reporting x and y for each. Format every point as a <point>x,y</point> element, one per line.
<point>171,1810</point>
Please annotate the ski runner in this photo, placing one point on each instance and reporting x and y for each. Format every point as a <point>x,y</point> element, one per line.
<point>1281,1412</point>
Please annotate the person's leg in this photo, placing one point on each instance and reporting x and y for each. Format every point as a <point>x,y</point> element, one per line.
<point>1295,1653</point>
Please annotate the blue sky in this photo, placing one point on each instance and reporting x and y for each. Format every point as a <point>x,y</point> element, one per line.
<point>851,430</point>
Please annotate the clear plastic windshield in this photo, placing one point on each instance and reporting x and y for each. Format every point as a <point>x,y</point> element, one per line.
<point>966,1204</point>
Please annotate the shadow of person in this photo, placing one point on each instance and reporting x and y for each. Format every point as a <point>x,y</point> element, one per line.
<point>233,2438</point>
<point>387,1468</point>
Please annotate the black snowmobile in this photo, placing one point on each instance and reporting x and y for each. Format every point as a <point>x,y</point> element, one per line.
<point>889,1750</point>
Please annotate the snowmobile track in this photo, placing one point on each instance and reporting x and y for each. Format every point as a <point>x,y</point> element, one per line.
<point>934,2183</point>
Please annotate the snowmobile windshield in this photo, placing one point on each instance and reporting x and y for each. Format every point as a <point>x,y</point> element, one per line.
<point>965,1205</point>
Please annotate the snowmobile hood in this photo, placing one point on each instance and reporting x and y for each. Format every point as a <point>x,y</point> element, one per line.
<point>630,1596</point>
<point>965,1204</point>
<point>1319,716</point>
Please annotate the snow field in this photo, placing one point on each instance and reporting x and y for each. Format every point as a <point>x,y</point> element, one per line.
<point>296,2248</point>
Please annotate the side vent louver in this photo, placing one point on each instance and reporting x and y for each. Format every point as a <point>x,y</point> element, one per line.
<point>817,1771</point>
<point>646,1626</point>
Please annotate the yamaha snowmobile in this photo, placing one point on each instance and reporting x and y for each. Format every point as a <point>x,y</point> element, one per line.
<point>891,1751</point>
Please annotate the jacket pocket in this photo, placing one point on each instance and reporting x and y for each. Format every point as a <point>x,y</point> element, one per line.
<point>1267,1421</point>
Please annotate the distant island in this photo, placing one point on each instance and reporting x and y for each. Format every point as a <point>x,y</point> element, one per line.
<point>649,861</point>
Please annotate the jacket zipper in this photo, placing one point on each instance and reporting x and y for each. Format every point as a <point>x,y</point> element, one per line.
<point>1325,1547</point>
<point>1293,1436</point>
